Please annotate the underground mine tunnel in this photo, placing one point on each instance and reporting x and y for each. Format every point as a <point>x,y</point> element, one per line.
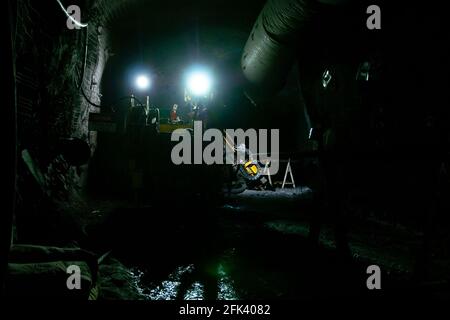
<point>225,150</point>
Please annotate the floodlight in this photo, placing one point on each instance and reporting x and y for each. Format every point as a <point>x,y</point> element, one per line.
<point>142,82</point>
<point>199,83</point>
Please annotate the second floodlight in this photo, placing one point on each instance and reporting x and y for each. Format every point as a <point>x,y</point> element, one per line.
<point>199,83</point>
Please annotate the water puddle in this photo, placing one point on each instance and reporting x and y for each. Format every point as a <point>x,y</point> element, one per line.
<point>169,289</point>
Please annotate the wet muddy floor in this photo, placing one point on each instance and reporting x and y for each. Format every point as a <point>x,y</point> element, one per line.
<point>253,247</point>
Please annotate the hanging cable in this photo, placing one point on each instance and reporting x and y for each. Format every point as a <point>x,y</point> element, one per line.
<point>83,68</point>
<point>77,23</point>
<point>83,73</point>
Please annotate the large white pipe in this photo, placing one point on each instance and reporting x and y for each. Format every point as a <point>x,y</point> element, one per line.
<point>270,50</point>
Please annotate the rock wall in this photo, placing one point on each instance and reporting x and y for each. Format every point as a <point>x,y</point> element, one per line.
<point>58,70</point>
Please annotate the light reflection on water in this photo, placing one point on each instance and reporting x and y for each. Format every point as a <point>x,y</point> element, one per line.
<point>168,289</point>
<point>226,286</point>
<point>195,292</point>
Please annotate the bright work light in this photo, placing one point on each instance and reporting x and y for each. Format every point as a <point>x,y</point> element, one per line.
<point>142,82</point>
<point>199,83</point>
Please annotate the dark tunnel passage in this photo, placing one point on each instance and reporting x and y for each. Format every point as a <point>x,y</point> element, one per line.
<point>354,173</point>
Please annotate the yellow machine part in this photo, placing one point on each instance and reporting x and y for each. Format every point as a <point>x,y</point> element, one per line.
<point>251,168</point>
<point>169,128</point>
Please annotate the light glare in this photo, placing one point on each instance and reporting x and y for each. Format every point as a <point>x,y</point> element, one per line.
<point>142,82</point>
<point>199,83</point>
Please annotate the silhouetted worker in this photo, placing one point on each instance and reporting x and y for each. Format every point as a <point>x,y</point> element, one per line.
<point>173,114</point>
